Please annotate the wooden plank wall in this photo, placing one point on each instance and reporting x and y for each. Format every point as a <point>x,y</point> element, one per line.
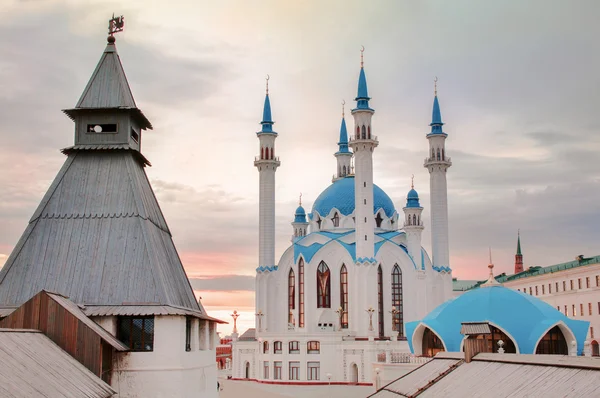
<point>41,312</point>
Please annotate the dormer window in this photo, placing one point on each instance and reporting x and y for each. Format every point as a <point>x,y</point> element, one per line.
<point>319,222</point>
<point>378,220</point>
<point>135,136</point>
<point>336,220</point>
<point>101,128</point>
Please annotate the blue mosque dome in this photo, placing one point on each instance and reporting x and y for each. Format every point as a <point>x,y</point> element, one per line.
<point>300,215</point>
<point>340,195</point>
<point>412,200</point>
<point>523,317</point>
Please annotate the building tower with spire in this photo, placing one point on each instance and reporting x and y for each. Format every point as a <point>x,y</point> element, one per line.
<point>343,155</point>
<point>438,163</point>
<point>413,225</point>
<point>363,143</point>
<point>300,225</point>
<point>518,256</point>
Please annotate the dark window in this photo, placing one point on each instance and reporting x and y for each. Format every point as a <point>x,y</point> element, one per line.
<point>597,280</point>
<point>313,347</point>
<point>365,184</point>
<point>581,310</point>
<point>431,343</point>
<point>188,333</point>
<point>323,286</point>
<point>319,222</point>
<point>380,300</point>
<point>102,128</point>
<point>266,369</point>
<point>571,283</point>
<point>135,136</point>
<point>262,153</point>
<point>313,370</point>
<point>536,291</point>
<point>301,293</point>
<point>265,347</point>
<point>443,154</point>
<point>363,132</point>
<point>136,332</point>
<point>378,220</point>
<point>398,320</point>
<point>369,132</point>
<point>549,288</point>
<point>336,220</point>
<point>294,371</point>
<point>277,347</point>
<point>277,365</point>
<point>438,154</point>
<point>294,347</point>
<point>344,295</point>
<point>543,289</point>
<point>587,282</point>
<point>291,296</point>
<point>564,286</point>
<point>579,283</point>
<point>552,343</point>
<point>556,286</point>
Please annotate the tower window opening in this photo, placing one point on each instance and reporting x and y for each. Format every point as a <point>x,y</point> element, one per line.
<point>398,317</point>
<point>291,296</point>
<point>432,153</point>
<point>443,154</point>
<point>408,219</point>
<point>344,169</point>
<point>102,128</point>
<point>344,296</point>
<point>135,136</point>
<point>365,237</point>
<point>380,300</point>
<point>365,201</point>
<point>419,220</point>
<point>363,132</point>
<point>369,132</point>
<point>365,219</point>
<point>414,219</point>
<point>365,184</point>
<point>438,154</point>
<point>323,286</point>
<point>262,153</point>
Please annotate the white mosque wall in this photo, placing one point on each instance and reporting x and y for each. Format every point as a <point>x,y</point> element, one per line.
<point>169,370</point>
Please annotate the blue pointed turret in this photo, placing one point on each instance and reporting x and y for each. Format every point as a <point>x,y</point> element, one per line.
<point>343,143</point>
<point>267,122</point>
<point>362,96</point>
<point>412,199</point>
<point>300,215</point>
<point>436,118</point>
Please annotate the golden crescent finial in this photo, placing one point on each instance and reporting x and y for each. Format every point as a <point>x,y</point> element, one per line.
<point>412,182</point>
<point>362,50</point>
<point>343,104</point>
<point>435,86</point>
<point>268,77</point>
<point>300,201</point>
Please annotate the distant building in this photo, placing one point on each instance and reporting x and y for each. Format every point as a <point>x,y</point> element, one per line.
<point>96,269</point>
<point>356,271</point>
<point>572,288</point>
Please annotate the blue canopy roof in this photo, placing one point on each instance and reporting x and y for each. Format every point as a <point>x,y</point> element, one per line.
<point>340,195</point>
<point>524,317</point>
<point>300,215</point>
<point>412,200</point>
<point>267,121</point>
<point>343,144</point>
<point>362,97</point>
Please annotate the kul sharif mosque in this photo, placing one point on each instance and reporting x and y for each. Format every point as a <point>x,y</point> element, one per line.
<point>356,270</point>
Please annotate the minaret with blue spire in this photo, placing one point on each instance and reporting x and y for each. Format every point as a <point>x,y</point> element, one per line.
<point>343,155</point>
<point>300,225</point>
<point>267,164</point>
<point>438,163</point>
<point>413,225</point>
<point>363,143</point>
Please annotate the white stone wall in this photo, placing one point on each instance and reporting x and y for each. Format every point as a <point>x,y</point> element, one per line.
<point>169,370</point>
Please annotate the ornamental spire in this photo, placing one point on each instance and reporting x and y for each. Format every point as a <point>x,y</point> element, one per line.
<point>362,96</point>
<point>267,121</point>
<point>343,143</point>
<point>436,117</point>
<point>491,280</point>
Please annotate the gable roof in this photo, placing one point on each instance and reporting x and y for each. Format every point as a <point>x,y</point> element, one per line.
<point>33,366</point>
<point>98,237</point>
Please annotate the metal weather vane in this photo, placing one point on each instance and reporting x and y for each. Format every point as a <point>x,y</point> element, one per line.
<point>116,25</point>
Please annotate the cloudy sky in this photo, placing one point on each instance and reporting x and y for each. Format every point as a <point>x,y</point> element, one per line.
<point>519,89</point>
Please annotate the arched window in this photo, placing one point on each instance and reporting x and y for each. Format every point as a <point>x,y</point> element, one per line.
<point>438,154</point>
<point>272,153</point>
<point>336,220</point>
<point>378,220</point>
<point>397,304</point>
<point>443,154</point>
<point>265,347</point>
<point>344,171</point>
<point>431,343</point>
<point>357,132</point>
<point>291,296</point>
<point>344,295</point>
<point>414,219</point>
<point>318,222</point>
<point>553,342</point>
<point>419,220</point>
<point>380,300</point>
<point>262,153</point>
<point>301,293</point>
<point>364,132</point>
<point>323,286</point>
<point>432,153</point>
<point>595,349</point>
<point>369,132</point>
<point>408,219</point>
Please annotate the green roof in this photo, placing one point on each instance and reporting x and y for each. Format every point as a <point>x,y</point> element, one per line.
<point>458,285</point>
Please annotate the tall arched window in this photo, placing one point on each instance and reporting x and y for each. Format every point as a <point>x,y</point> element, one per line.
<point>301,293</point>
<point>272,153</point>
<point>262,153</point>
<point>291,296</point>
<point>414,219</point>
<point>369,132</point>
<point>364,132</point>
<point>336,220</point>
<point>357,132</point>
<point>443,154</point>
<point>380,300</point>
<point>553,342</point>
<point>344,295</point>
<point>378,220</point>
<point>398,317</point>
<point>431,343</point>
<point>344,171</point>
<point>323,286</point>
<point>438,154</point>
<point>432,153</point>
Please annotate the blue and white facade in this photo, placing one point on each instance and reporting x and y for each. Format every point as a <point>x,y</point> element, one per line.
<point>354,274</point>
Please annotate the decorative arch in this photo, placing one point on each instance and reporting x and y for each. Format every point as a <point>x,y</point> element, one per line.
<point>438,154</point>
<point>344,296</point>
<point>443,154</point>
<point>494,346</point>
<point>417,339</point>
<point>301,293</point>
<point>595,349</point>
<point>414,219</point>
<point>363,132</point>
<point>291,296</point>
<point>246,370</point>
<point>336,219</point>
<point>323,286</point>
<point>555,340</point>
<point>380,301</point>
<point>397,302</point>
<point>262,153</point>
<point>431,343</point>
<point>369,132</point>
<point>354,373</point>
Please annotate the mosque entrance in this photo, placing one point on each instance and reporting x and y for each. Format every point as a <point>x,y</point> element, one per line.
<point>247,370</point>
<point>431,343</point>
<point>354,372</point>
<point>595,349</point>
<point>490,343</point>
<point>553,342</point>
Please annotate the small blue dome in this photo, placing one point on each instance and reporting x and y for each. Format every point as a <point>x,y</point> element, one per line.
<point>522,316</point>
<point>300,215</point>
<point>412,200</point>
<point>340,195</point>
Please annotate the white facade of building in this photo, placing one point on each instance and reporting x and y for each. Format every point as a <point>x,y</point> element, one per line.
<point>341,293</point>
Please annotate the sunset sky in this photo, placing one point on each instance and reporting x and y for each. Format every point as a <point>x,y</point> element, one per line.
<point>519,90</point>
